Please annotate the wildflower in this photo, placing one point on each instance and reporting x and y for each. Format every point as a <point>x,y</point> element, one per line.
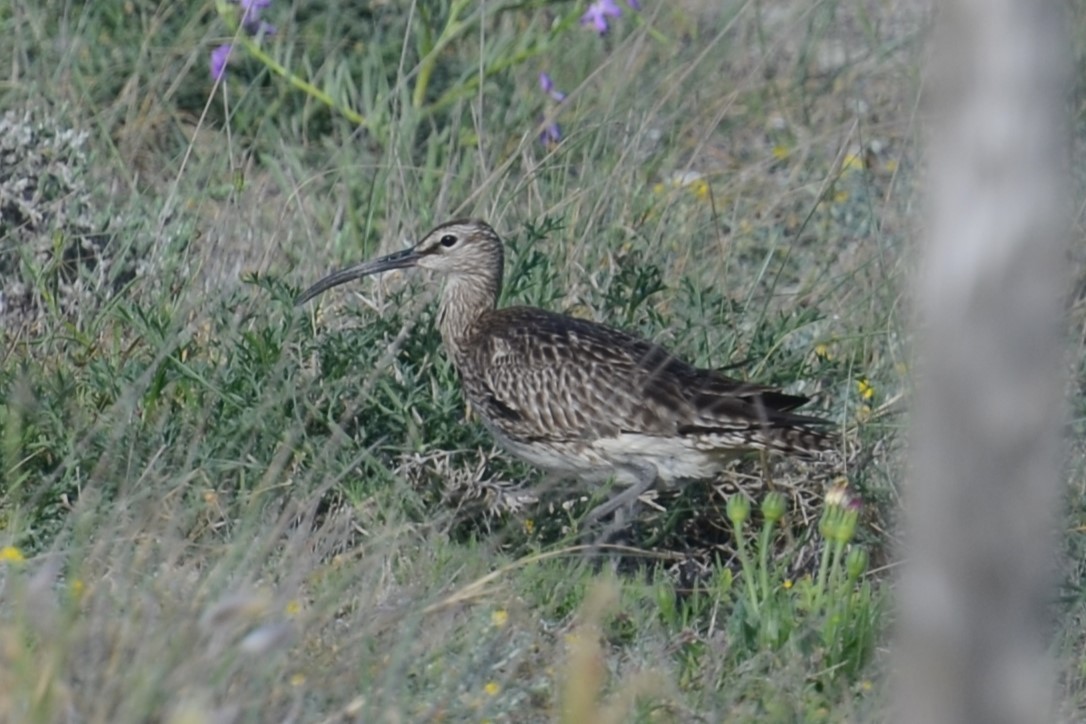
<point>838,525</point>
<point>693,181</point>
<point>700,188</point>
<point>293,607</point>
<point>547,85</point>
<point>297,679</point>
<point>856,563</point>
<point>845,527</point>
<point>492,688</point>
<point>552,132</point>
<point>738,510</point>
<point>219,56</point>
<point>773,507</point>
<point>839,496</point>
<point>251,24</point>
<point>499,618</point>
<point>823,351</point>
<point>11,554</point>
<point>852,162</point>
<point>840,514</point>
<point>598,13</point>
<point>865,388</point>
<point>250,17</point>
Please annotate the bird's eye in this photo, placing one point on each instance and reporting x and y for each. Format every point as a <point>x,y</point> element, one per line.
<point>448,240</point>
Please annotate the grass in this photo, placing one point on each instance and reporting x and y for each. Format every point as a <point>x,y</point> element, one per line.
<point>219,507</point>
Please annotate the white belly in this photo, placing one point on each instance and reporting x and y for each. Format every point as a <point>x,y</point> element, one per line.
<point>674,458</point>
<point>621,457</point>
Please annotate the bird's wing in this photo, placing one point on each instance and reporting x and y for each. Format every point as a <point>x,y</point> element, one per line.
<point>548,377</point>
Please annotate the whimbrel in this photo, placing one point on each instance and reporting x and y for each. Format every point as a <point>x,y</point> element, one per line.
<point>584,400</point>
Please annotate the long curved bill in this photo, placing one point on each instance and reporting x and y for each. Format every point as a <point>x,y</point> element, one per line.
<point>398,260</point>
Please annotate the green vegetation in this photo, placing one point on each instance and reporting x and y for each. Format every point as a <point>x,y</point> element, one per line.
<point>218,507</point>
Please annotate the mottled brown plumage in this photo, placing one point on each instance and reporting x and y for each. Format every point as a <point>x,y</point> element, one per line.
<point>582,399</point>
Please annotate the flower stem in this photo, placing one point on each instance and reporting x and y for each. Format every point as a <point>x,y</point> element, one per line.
<point>763,558</point>
<point>823,569</point>
<point>300,83</point>
<point>748,568</point>
<point>453,27</point>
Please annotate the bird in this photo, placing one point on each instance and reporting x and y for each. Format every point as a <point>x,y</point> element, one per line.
<point>582,400</point>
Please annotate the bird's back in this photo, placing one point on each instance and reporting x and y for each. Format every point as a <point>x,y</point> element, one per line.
<point>539,377</point>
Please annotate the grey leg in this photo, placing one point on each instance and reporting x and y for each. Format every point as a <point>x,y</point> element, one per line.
<point>624,501</point>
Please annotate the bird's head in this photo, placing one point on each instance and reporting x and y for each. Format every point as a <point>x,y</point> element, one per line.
<point>464,247</point>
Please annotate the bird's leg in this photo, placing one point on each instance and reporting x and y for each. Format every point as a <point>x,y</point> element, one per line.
<point>623,504</point>
<point>646,477</point>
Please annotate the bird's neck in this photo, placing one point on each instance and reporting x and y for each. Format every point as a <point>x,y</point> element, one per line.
<point>464,300</point>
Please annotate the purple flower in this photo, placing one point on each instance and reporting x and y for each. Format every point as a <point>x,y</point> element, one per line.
<point>547,85</point>
<point>598,13</point>
<point>634,4</point>
<point>251,24</point>
<point>551,134</point>
<point>250,9</point>
<point>219,57</point>
<point>250,17</point>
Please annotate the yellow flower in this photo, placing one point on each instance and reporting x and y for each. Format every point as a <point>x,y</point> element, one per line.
<point>689,180</point>
<point>788,584</point>
<point>529,526</point>
<point>840,196</point>
<point>852,162</point>
<point>294,607</point>
<point>865,388</point>
<point>780,152</point>
<point>492,688</point>
<point>11,554</point>
<point>77,588</point>
<point>499,618</point>
<point>297,679</point>
<point>700,188</point>
<point>838,495</point>
<point>823,351</point>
